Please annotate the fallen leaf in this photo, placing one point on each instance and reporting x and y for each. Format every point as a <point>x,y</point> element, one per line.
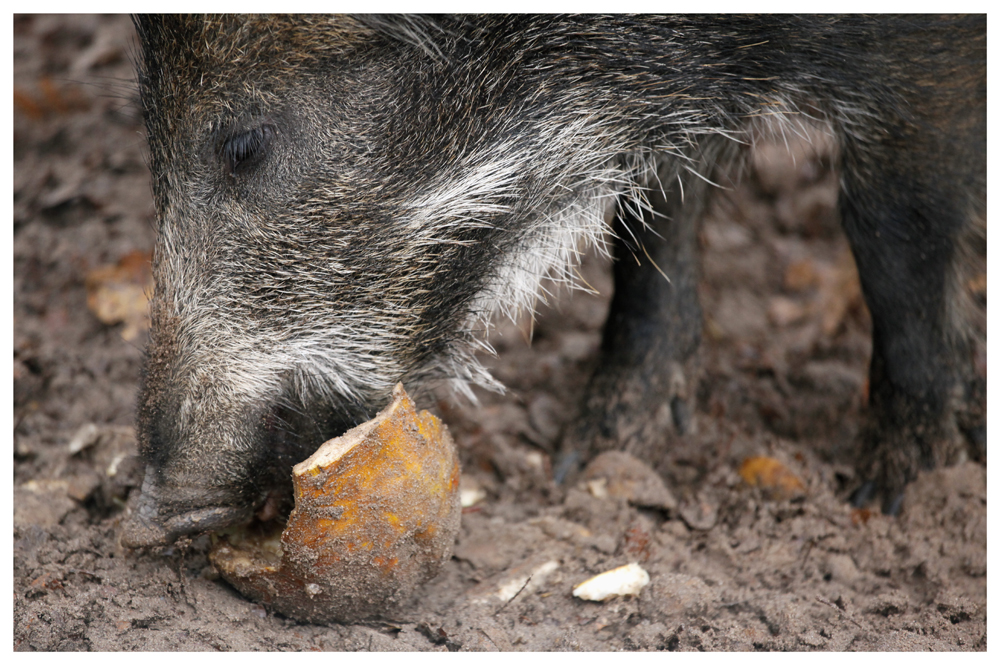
<point>801,275</point>
<point>117,293</point>
<point>27,104</point>
<point>771,476</point>
<point>860,516</point>
<point>836,292</point>
<point>52,98</point>
<point>839,292</point>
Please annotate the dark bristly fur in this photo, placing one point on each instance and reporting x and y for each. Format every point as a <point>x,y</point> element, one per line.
<point>343,202</point>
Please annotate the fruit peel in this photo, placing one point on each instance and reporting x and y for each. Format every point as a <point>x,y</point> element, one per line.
<point>376,515</point>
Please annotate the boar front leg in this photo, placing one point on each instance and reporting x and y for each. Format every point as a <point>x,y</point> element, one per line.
<point>642,394</point>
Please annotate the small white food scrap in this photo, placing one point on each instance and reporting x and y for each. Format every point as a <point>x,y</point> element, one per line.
<point>469,492</point>
<point>623,581</point>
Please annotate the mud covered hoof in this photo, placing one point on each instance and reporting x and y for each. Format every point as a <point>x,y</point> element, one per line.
<point>637,415</point>
<point>891,458</point>
<point>862,496</point>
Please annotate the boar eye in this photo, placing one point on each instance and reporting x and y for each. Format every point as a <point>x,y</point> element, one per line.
<point>243,150</point>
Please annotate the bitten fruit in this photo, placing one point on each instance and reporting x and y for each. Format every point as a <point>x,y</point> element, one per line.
<point>376,514</point>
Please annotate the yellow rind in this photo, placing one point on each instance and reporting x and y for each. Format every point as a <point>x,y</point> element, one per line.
<point>376,514</point>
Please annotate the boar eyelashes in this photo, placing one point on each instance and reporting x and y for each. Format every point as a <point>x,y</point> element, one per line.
<point>242,151</point>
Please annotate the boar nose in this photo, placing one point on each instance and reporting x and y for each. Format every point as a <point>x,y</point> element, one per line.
<point>152,520</point>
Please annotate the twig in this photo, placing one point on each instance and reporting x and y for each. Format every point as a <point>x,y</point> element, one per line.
<point>523,587</point>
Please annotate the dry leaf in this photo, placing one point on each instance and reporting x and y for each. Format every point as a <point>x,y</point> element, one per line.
<point>860,516</point>
<point>839,292</point>
<point>801,275</point>
<point>117,294</point>
<point>771,476</point>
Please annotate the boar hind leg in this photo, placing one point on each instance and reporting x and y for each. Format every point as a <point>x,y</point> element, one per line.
<point>915,218</point>
<point>642,393</point>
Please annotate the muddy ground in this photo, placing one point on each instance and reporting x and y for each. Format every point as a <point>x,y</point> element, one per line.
<point>731,567</point>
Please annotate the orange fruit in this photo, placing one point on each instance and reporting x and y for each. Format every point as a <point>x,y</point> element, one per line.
<point>376,515</point>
